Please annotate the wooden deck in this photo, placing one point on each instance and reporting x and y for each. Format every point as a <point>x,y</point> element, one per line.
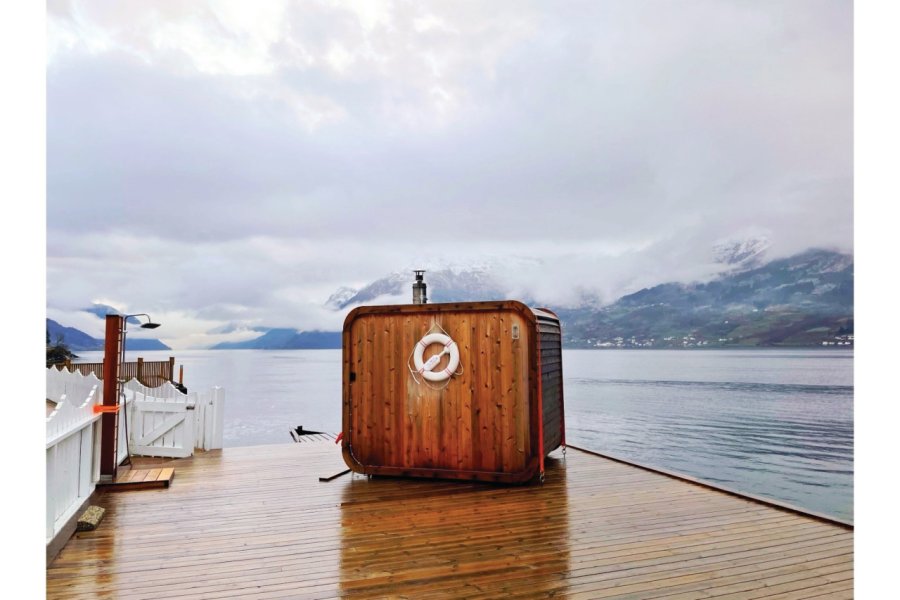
<point>256,522</point>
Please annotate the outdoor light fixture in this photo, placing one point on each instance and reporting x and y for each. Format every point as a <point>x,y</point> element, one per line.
<point>124,331</point>
<point>148,325</point>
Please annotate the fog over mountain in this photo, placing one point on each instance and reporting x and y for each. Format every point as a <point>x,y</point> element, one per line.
<point>517,279</point>
<point>803,300</point>
<point>228,166</point>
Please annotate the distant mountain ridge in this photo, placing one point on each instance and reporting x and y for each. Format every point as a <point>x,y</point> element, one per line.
<point>284,339</point>
<point>75,339</point>
<point>802,300</point>
<point>79,341</point>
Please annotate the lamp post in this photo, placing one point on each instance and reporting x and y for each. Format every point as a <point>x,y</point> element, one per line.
<point>113,357</point>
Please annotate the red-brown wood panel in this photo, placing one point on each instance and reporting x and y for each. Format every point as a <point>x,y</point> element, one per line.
<point>481,424</point>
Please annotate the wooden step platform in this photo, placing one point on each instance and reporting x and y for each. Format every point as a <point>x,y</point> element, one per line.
<point>139,479</point>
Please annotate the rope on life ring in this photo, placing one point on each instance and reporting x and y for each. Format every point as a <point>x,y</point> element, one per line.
<point>424,368</point>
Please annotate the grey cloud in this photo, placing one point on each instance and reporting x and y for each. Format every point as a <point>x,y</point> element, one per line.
<point>352,145</point>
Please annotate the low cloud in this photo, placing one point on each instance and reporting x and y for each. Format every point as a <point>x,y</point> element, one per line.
<point>225,164</point>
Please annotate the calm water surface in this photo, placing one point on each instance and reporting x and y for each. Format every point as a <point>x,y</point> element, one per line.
<point>778,423</point>
<point>770,422</point>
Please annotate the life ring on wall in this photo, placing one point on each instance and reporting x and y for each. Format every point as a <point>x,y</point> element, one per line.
<point>424,368</point>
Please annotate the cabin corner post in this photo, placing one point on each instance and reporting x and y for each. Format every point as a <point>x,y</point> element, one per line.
<point>346,393</point>
<point>346,425</point>
<point>540,403</point>
<point>112,348</point>
<point>562,403</point>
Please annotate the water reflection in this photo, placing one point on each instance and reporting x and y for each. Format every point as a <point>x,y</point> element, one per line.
<point>407,538</point>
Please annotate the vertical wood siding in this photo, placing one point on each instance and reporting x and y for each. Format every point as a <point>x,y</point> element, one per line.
<point>482,424</point>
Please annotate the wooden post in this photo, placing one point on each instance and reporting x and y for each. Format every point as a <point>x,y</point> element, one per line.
<point>180,374</point>
<point>171,376</point>
<point>112,348</point>
<point>140,369</point>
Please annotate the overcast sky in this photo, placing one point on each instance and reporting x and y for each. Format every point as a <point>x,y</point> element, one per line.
<point>227,165</point>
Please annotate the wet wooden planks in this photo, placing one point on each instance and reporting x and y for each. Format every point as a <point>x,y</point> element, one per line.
<point>138,479</point>
<point>256,522</point>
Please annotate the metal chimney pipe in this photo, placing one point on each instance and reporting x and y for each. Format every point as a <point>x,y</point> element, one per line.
<point>419,289</point>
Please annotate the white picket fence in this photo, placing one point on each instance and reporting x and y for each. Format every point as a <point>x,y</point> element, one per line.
<point>73,445</point>
<point>57,382</point>
<point>159,421</point>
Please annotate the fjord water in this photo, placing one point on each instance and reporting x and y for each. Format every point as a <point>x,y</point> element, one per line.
<point>771,422</point>
<point>776,423</point>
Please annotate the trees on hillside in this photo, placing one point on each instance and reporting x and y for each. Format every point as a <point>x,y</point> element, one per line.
<point>58,353</point>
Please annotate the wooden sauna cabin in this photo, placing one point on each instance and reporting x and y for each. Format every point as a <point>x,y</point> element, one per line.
<point>467,390</point>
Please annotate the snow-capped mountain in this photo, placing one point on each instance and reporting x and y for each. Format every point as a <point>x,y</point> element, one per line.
<point>444,285</point>
<point>805,299</point>
<point>340,297</point>
<point>801,300</point>
<point>742,254</point>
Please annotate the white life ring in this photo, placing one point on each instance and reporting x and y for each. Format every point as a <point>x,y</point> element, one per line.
<point>424,368</point>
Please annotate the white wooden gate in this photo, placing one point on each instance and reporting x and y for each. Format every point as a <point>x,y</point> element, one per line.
<point>161,424</point>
